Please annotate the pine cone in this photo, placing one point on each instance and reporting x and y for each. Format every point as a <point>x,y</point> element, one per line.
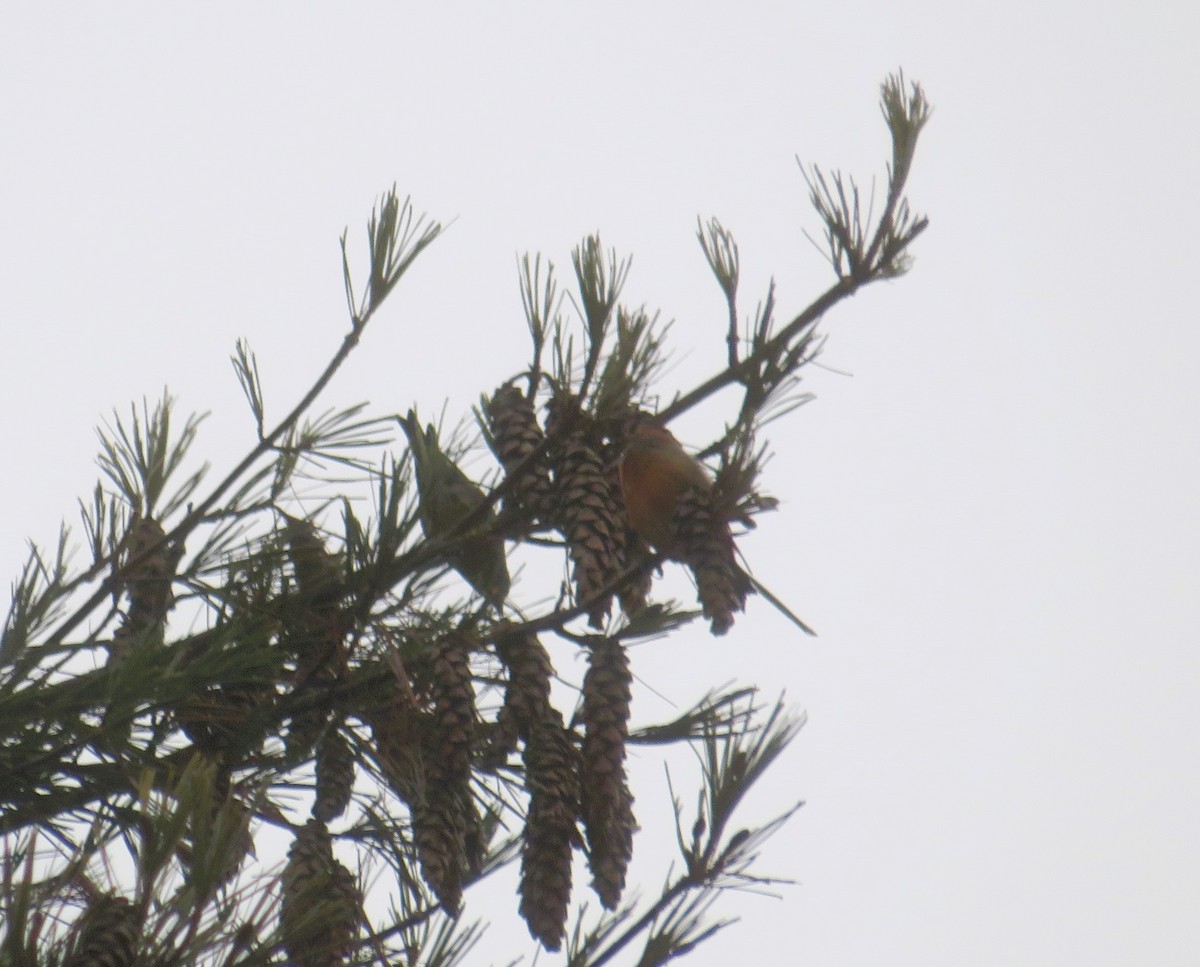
<point>589,515</point>
<point>552,780</point>
<point>305,730</point>
<point>145,570</point>
<point>335,776</point>
<point>634,593</point>
<point>321,907</point>
<point>527,695</point>
<point>606,800</point>
<point>707,548</point>
<point>399,731</point>
<point>440,832</point>
<point>316,630</point>
<point>216,719</point>
<point>443,824</point>
<point>453,697</point>
<point>515,436</point>
<point>107,933</point>
<point>318,640</point>
<point>318,573</point>
<point>318,627</point>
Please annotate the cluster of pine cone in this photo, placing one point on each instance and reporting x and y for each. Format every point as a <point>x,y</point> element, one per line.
<point>574,486</point>
<point>427,735</point>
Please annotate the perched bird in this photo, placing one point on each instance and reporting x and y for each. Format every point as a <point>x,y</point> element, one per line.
<point>658,477</point>
<point>446,496</point>
<point>655,472</point>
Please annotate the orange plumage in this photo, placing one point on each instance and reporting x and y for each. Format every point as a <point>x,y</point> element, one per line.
<point>655,472</point>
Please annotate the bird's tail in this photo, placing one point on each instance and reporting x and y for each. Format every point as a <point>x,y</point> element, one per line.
<point>776,603</point>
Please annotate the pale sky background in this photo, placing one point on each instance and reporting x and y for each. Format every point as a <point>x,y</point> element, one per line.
<point>993,524</point>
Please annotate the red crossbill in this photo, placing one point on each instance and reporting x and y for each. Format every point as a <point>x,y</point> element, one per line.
<point>655,472</point>
<point>446,496</point>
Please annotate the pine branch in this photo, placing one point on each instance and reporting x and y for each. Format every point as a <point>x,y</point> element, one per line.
<point>396,240</point>
<point>721,252</point>
<point>422,716</point>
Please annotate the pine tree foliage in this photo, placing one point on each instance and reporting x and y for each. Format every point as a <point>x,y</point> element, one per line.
<point>326,643</point>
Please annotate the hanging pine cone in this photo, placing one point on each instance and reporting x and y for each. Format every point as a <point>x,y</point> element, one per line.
<point>607,804</point>
<point>399,731</point>
<point>335,776</point>
<point>526,696</point>
<point>147,568</point>
<point>444,822</point>
<point>634,593</point>
<point>552,781</point>
<point>706,546</point>
<point>316,630</point>
<point>587,509</point>
<point>216,719</point>
<point>590,518</point>
<point>107,933</point>
<point>318,573</point>
<point>440,832</point>
<point>515,436</point>
<point>322,660</point>
<point>407,740</point>
<point>145,571</point>
<point>453,696</point>
<point>320,913</point>
<point>319,624</point>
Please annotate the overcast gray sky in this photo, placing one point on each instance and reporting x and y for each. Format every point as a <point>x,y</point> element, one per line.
<point>993,524</point>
